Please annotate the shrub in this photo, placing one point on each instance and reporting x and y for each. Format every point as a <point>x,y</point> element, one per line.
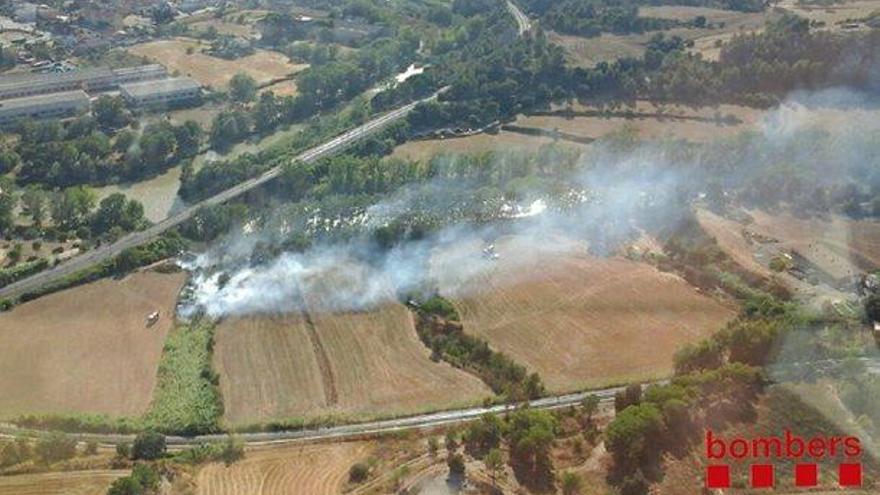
<point>149,445</point>
<point>358,473</point>
<point>55,447</point>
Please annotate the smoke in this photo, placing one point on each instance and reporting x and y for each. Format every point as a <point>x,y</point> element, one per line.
<point>614,190</point>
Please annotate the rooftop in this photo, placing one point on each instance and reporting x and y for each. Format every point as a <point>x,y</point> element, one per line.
<point>30,79</point>
<point>147,88</point>
<point>29,101</point>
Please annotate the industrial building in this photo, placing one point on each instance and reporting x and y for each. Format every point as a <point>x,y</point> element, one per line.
<point>94,79</point>
<point>166,92</point>
<point>56,105</point>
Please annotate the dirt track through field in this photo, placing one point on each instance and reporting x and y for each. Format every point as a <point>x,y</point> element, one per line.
<point>325,360</point>
<point>331,397</point>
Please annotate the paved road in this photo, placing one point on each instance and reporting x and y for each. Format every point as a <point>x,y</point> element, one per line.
<point>353,430</point>
<point>522,20</point>
<point>106,252</point>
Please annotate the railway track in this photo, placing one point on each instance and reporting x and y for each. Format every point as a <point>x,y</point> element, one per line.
<point>134,239</point>
<point>343,432</point>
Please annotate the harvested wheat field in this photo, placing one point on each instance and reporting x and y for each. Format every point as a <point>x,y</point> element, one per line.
<point>263,66</point>
<point>361,363</point>
<point>87,349</point>
<point>650,121</point>
<point>63,483</point>
<point>578,320</point>
<point>506,141</point>
<point>839,246</point>
<point>306,469</point>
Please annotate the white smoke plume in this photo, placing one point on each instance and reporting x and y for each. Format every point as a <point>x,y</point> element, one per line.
<point>611,194</point>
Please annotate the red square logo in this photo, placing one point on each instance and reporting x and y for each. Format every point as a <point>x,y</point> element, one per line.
<point>762,476</point>
<point>806,475</point>
<point>718,476</point>
<point>850,474</point>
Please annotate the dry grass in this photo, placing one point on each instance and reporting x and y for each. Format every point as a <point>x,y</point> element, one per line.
<point>425,150</point>
<point>158,194</point>
<point>86,349</point>
<point>587,52</point>
<point>839,246</point>
<point>833,14</point>
<point>283,88</point>
<point>578,320</point>
<point>730,238</point>
<point>651,121</point>
<point>63,483</point>
<point>204,115</point>
<point>224,27</point>
<point>311,469</point>
<point>351,363</point>
<point>263,66</point>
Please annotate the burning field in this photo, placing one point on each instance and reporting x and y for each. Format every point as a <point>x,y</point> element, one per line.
<point>577,319</point>
<point>88,349</point>
<point>324,360</point>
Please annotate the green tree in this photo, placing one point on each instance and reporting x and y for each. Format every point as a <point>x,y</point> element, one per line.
<point>630,396</point>
<point>242,88</point>
<point>9,160</point>
<point>267,112</point>
<point>110,112</point>
<point>125,486</point>
<point>148,445</point>
<point>55,447</point>
<point>358,472</point>
<point>456,465</point>
<point>494,463</point>
<point>117,211</point>
<point>872,308</point>
<point>590,405</point>
<point>123,450</point>
<point>485,434</point>
<point>124,140</point>
<point>146,477</point>
<point>70,207</point>
<point>571,483</point>
<point>433,446</point>
<point>7,203</point>
<point>634,439</point>
<point>531,434</point>
<point>189,137</point>
<point>157,142</point>
<point>33,201</point>
<point>233,450</point>
<point>228,128</point>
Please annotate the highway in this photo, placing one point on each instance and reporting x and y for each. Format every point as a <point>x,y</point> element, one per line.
<point>108,251</point>
<point>422,421</point>
<point>522,20</point>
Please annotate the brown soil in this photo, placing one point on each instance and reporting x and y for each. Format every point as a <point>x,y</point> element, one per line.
<point>576,319</point>
<point>215,72</point>
<point>86,349</point>
<point>64,483</point>
<point>311,469</point>
<point>352,363</point>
